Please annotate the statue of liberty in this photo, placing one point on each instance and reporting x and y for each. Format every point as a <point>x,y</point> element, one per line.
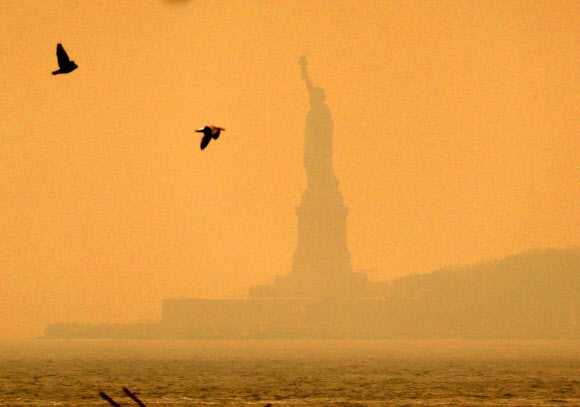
<point>317,137</point>
<point>321,266</point>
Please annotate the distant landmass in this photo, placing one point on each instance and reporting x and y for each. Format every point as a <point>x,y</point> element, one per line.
<point>531,295</point>
<point>534,294</point>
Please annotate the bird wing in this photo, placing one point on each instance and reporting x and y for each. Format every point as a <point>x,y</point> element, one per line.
<point>63,59</point>
<point>215,132</point>
<point>205,140</point>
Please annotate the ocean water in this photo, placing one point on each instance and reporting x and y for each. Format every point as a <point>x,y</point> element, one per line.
<point>339,373</point>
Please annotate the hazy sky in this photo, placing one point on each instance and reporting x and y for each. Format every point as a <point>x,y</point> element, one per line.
<point>456,140</point>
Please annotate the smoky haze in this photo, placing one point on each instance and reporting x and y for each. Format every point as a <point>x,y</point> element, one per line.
<point>455,141</point>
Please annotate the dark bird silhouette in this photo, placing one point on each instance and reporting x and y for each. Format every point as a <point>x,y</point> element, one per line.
<point>65,65</point>
<point>209,132</point>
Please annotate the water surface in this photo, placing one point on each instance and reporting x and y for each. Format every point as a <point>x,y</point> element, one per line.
<point>291,373</point>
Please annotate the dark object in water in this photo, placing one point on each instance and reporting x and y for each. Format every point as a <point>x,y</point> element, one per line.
<point>127,392</point>
<point>133,396</point>
<point>110,400</point>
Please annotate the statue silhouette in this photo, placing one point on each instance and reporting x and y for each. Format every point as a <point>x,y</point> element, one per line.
<point>317,137</point>
<point>321,266</point>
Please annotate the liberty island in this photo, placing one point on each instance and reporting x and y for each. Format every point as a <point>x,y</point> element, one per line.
<point>322,297</point>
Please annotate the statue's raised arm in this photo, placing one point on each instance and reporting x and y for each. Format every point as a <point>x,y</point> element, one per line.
<point>303,63</point>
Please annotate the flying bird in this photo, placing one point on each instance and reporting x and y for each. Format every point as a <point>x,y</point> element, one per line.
<point>209,132</point>
<point>65,65</point>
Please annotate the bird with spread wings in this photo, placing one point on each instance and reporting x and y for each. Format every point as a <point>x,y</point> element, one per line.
<point>65,65</point>
<point>209,132</point>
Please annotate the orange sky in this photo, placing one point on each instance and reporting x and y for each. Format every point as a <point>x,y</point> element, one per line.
<point>456,140</point>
